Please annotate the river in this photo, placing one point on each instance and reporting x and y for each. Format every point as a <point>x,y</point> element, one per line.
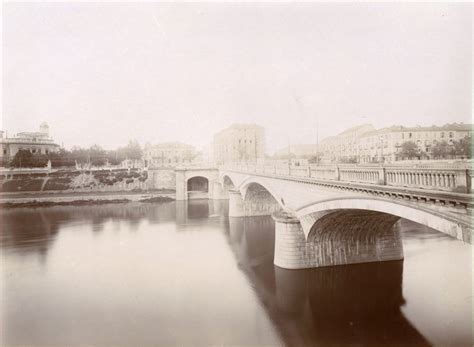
<point>185,274</point>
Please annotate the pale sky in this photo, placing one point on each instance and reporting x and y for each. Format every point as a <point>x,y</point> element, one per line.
<point>104,73</point>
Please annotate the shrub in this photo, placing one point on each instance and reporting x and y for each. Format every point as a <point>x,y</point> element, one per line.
<point>62,183</point>
<point>22,185</point>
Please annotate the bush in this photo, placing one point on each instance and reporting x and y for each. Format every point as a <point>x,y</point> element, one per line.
<point>22,185</point>
<point>120,175</point>
<point>62,183</point>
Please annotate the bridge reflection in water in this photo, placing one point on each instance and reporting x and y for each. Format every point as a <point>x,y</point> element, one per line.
<point>353,304</point>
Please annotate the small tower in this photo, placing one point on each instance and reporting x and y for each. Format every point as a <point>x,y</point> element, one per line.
<point>44,128</point>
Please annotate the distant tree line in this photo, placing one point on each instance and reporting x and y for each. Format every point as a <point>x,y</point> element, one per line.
<point>94,155</point>
<point>439,150</point>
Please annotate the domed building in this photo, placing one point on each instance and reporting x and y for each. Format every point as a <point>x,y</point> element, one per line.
<point>36,142</point>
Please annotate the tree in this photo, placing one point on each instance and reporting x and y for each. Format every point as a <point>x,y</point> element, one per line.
<point>115,157</point>
<point>79,155</point>
<point>132,151</point>
<point>97,155</point>
<point>442,150</point>
<point>315,159</point>
<point>24,158</point>
<point>349,160</point>
<point>61,158</point>
<point>463,147</point>
<point>409,150</point>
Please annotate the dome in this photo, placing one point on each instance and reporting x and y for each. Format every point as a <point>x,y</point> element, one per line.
<point>44,128</point>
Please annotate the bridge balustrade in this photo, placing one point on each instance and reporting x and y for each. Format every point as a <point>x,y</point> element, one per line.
<point>300,171</point>
<point>282,170</point>
<point>447,180</point>
<point>361,175</point>
<point>428,176</point>
<point>323,172</point>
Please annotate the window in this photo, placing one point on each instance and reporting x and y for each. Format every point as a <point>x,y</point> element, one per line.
<point>4,151</point>
<point>450,134</point>
<point>442,135</point>
<point>410,135</point>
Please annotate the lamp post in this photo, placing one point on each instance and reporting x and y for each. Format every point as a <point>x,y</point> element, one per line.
<point>381,150</point>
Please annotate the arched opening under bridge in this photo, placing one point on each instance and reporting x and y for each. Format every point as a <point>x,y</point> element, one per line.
<point>198,187</point>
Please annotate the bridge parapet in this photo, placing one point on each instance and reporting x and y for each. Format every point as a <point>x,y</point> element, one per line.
<point>346,217</point>
<point>441,177</point>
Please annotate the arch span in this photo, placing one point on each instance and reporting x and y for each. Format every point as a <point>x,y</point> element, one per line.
<point>227,182</point>
<point>255,189</point>
<point>252,199</point>
<point>197,187</point>
<point>198,183</point>
<point>443,222</point>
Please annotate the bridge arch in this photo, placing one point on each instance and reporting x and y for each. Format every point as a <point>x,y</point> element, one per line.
<point>197,183</point>
<point>253,198</point>
<point>184,175</point>
<point>256,189</point>
<point>227,182</point>
<point>374,210</point>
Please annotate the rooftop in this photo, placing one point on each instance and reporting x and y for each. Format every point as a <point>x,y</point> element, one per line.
<point>399,128</point>
<point>238,126</point>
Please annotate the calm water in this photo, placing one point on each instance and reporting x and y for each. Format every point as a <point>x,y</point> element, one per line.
<point>185,274</point>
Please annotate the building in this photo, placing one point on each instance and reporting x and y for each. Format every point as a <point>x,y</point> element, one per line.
<point>365,144</point>
<point>169,154</point>
<point>385,145</point>
<point>343,147</point>
<point>36,142</point>
<point>298,151</point>
<point>239,143</point>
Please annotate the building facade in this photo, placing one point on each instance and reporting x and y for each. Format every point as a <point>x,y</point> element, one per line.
<point>239,143</point>
<point>169,154</point>
<point>365,144</point>
<point>38,142</point>
<point>385,145</point>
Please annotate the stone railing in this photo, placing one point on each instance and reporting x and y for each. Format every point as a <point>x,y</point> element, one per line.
<point>457,178</point>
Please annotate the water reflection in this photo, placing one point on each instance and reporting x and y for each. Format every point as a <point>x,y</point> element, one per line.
<point>163,249</point>
<point>356,304</point>
<point>22,226</point>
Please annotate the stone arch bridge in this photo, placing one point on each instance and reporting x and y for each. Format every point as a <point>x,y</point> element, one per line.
<point>323,220</point>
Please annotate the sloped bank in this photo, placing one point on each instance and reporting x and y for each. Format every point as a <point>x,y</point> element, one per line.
<point>106,180</point>
<point>76,199</point>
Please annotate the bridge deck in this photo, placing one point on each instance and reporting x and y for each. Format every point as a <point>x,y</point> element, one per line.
<point>299,192</point>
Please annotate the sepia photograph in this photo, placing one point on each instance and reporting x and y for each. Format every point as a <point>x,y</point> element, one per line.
<point>236,174</point>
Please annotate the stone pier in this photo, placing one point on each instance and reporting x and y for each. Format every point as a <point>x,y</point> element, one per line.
<point>220,192</point>
<point>338,238</point>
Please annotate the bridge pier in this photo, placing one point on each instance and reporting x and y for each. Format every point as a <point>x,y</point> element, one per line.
<point>181,189</point>
<point>336,239</point>
<point>219,192</point>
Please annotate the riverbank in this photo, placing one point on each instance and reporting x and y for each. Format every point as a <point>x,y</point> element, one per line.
<point>82,198</point>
